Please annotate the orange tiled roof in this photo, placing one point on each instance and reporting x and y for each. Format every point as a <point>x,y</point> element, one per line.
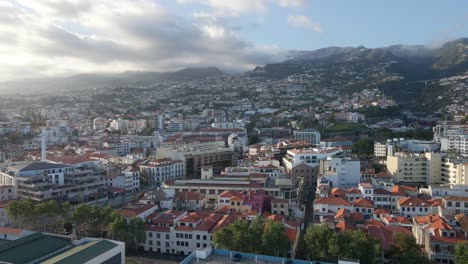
<point>412,201</point>
<point>364,202</point>
<point>11,231</point>
<point>332,201</point>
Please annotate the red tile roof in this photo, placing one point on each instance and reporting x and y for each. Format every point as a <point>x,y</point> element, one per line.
<point>134,210</point>
<point>189,196</point>
<point>364,202</point>
<point>332,201</point>
<point>226,220</point>
<point>11,231</point>
<point>400,190</point>
<point>412,201</point>
<point>380,211</point>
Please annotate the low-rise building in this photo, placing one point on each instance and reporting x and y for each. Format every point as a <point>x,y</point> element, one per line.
<point>437,237</point>
<point>157,171</point>
<point>188,200</point>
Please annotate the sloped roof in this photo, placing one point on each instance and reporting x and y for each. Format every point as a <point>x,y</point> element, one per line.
<point>41,166</point>
<point>332,201</point>
<point>413,201</point>
<point>364,202</point>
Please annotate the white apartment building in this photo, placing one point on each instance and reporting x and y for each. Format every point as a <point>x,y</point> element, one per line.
<point>339,172</point>
<point>380,149</point>
<point>310,156</point>
<point>175,125</point>
<point>99,123</point>
<point>308,135</point>
<point>415,168</point>
<point>127,179</point>
<point>444,190</point>
<point>453,136</point>
<point>454,170</point>
<point>383,149</point>
<point>119,125</point>
<point>228,125</point>
<point>44,180</point>
<point>158,171</point>
<point>413,206</point>
<point>453,205</point>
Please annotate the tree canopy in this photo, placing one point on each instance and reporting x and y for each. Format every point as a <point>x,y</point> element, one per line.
<point>256,236</point>
<point>461,253</point>
<point>324,244</point>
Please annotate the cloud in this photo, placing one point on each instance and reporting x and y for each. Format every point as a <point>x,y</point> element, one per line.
<point>232,8</point>
<point>301,21</point>
<point>62,37</point>
<point>291,3</point>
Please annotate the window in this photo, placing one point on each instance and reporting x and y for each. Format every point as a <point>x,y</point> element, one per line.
<point>198,237</point>
<point>150,242</point>
<point>158,235</point>
<point>204,237</point>
<point>457,204</point>
<point>150,234</point>
<point>449,203</point>
<point>167,236</point>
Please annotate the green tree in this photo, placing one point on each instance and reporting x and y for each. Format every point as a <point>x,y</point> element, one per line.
<point>405,250</point>
<point>363,146</point>
<point>80,218</point>
<point>274,241</point>
<point>22,213</point>
<point>317,239</point>
<point>357,244</point>
<point>461,253</point>
<point>253,236</point>
<point>136,231</point>
<point>240,234</point>
<point>223,239</point>
<point>255,233</point>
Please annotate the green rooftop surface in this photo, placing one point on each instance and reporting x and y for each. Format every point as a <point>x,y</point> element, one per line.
<point>83,253</point>
<point>3,241</point>
<point>30,248</point>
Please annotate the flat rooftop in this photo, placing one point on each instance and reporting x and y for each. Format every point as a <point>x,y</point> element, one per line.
<point>218,259</point>
<point>222,256</point>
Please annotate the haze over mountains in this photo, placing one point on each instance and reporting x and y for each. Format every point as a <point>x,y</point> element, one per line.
<point>412,63</point>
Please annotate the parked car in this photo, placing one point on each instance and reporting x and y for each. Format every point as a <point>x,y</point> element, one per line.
<point>236,257</point>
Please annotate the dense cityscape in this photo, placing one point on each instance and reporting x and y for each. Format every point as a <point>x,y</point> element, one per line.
<point>176,169</point>
<point>129,137</point>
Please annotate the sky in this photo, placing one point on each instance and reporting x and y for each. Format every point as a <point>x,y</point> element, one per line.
<point>64,37</point>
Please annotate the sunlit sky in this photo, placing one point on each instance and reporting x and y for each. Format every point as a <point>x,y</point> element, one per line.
<point>56,37</point>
